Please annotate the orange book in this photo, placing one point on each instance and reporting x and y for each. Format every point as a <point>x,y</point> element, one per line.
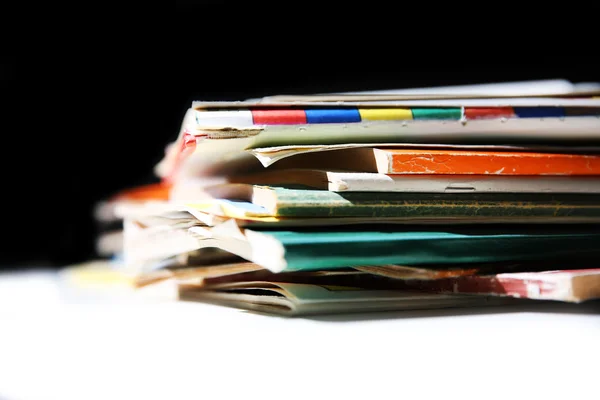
<point>462,162</point>
<point>151,191</point>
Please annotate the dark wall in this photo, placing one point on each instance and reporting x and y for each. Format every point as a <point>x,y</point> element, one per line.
<point>94,122</point>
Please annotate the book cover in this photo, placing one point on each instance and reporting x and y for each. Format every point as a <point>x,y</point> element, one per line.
<point>461,162</point>
<point>267,201</point>
<point>561,285</point>
<point>348,246</point>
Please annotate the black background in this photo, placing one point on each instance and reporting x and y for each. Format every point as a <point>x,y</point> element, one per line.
<point>83,123</point>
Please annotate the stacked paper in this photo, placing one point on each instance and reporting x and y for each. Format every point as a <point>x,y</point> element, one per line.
<point>374,201</point>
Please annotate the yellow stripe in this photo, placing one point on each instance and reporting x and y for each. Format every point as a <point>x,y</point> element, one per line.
<point>378,114</point>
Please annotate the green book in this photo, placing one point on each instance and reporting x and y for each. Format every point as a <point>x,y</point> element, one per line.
<point>267,201</point>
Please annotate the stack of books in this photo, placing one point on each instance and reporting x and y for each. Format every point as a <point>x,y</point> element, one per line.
<point>353,202</point>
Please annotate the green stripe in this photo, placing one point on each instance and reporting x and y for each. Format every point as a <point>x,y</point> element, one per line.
<point>436,113</point>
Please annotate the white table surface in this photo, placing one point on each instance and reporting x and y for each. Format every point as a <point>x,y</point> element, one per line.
<point>54,346</point>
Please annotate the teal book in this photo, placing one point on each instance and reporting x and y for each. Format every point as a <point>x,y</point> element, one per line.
<point>315,249</point>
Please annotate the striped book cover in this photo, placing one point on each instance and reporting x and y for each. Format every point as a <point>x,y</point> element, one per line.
<point>299,116</point>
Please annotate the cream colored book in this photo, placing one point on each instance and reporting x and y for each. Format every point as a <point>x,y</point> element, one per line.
<point>216,150</point>
<point>494,114</point>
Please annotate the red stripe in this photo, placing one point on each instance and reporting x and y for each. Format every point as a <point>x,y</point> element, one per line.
<point>495,112</point>
<point>278,117</point>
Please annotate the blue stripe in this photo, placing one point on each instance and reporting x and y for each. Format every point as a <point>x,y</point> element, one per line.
<point>332,115</point>
<point>539,112</point>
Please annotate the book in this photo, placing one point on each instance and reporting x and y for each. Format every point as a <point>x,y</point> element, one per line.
<point>199,275</point>
<point>269,156</point>
<point>108,216</point>
<point>354,157</point>
<point>107,280</point>
<point>575,285</point>
<point>419,161</point>
<point>226,130</point>
<point>271,201</point>
<point>354,109</point>
<point>218,145</point>
<point>237,186</point>
<point>209,219</point>
<point>446,271</point>
<point>536,88</point>
<point>295,299</point>
<point>461,119</point>
<point>403,161</point>
<point>333,247</point>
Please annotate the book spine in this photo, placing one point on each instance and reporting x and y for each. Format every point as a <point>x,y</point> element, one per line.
<point>286,116</point>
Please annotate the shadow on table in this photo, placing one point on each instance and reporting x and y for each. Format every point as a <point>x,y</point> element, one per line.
<point>552,307</point>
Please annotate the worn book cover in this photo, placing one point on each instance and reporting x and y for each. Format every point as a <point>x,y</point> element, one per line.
<point>575,285</point>
<point>268,201</point>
